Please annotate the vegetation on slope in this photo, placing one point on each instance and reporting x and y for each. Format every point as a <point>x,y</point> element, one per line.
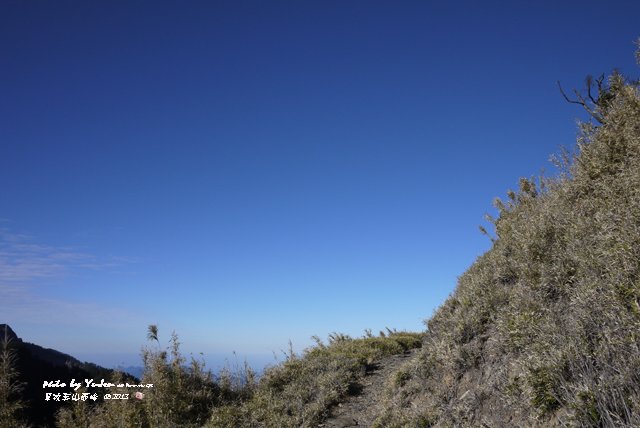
<point>544,328</point>
<point>300,392</point>
<point>297,393</point>
<point>23,368</point>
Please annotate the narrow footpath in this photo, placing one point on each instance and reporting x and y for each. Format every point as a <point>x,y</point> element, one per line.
<point>362,409</point>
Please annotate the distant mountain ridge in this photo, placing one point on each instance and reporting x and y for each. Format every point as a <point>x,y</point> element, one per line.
<point>135,371</point>
<point>5,329</point>
<point>37,364</point>
<point>48,355</point>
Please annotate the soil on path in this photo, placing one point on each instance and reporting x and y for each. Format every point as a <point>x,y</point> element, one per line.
<point>362,409</point>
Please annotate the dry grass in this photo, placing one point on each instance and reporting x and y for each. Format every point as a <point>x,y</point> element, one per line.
<point>544,328</point>
<point>297,393</point>
<point>300,392</point>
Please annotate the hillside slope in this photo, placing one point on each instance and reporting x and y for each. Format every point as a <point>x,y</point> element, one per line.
<point>544,328</point>
<point>35,364</point>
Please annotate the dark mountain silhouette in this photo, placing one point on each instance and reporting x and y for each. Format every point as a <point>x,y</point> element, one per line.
<point>36,365</point>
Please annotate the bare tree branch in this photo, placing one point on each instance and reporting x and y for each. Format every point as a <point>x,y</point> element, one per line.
<point>580,100</point>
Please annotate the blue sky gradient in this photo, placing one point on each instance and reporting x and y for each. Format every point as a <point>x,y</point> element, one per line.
<point>248,173</point>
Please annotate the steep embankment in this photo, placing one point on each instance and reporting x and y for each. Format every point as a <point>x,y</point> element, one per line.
<point>544,328</point>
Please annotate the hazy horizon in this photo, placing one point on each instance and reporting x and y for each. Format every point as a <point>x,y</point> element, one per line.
<point>247,173</point>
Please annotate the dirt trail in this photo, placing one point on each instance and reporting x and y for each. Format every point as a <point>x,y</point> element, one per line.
<point>361,410</point>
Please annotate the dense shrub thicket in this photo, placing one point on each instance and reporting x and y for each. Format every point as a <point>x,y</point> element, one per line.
<point>544,328</point>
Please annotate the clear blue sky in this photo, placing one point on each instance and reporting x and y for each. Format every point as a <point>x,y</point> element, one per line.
<point>247,172</point>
